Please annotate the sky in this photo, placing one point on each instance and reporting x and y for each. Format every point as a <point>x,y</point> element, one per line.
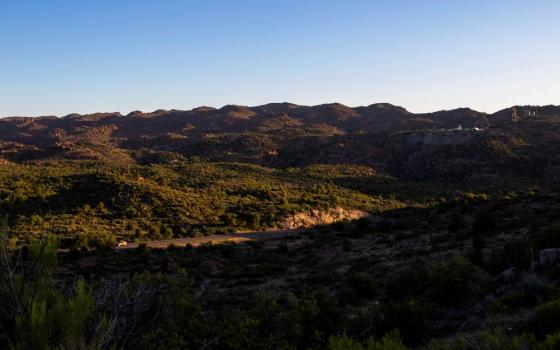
<point>59,57</point>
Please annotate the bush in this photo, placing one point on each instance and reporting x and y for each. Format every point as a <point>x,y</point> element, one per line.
<point>500,340</point>
<point>547,318</point>
<point>516,253</point>
<point>497,339</point>
<point>41,316</point>
<point>552,342</point>
<point>550,237</point>
<point>363,286</point>
<point>411,318</point>
<point>483,222</point>
<point>456,223</point>
<point>391,341</point>
<point>455,282</point>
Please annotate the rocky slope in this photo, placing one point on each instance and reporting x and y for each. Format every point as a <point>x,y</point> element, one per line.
<point>317,217</point>
<point>386,137</point>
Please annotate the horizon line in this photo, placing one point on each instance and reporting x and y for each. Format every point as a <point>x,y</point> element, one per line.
<point>266,104</point>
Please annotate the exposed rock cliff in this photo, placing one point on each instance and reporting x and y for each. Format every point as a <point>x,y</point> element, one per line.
<point>321,217</point>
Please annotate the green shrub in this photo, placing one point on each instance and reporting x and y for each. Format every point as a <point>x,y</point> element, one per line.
<point>456,223</point>
<point>547,318</point>
<point>499,339</point>
<point>551,342</point>
<point>363,286</point>
<point>391,341</point>
<point>550,237</point>
<point>483,222</point>
<point>411,318</point>
<point>455,282</point>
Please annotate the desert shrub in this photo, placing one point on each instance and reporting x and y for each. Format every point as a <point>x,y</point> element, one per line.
<point>339,225</point>
<point>496,339</point>
<point>547,318</point>
<point>456,223</point>
<point>391,341</point>
<point>553,215</point>
<point>35,314</point>
<point>409,284</point>
<point>515,253</point>
<point>550,237</point>
<point>283,248</point>
<point>554,272</point>
<point>456,343</point>
<point>477,251</point>
<point>515,299</point>
<point>102,240</point>
<point>499,339</point>
<point>483,222</point>
<point>455,282</point>
<point>283,322</point>
<point>177,317</point>
<point>551,342</point>
<point>362,223</point>
<point>363,286</point>
<point>411,318</point>
<point>142,248</point>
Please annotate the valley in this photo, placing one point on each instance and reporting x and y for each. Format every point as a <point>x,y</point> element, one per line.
<point>284,227</point>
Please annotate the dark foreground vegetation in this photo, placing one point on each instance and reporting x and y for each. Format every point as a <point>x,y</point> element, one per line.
<point>462,274</point>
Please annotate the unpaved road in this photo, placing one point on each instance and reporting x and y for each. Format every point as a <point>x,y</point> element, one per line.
<point>232,237</point>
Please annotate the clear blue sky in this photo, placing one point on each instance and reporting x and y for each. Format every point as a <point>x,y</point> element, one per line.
<point>58,57</point>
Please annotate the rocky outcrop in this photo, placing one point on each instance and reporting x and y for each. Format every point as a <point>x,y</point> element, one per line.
<point>321,217</point>
<point>548,257</point>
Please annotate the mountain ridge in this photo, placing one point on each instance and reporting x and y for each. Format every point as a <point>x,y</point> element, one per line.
<point>274,105</point>
<point>286,134</point>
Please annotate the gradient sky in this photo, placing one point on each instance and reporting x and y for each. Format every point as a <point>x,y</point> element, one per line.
<point>58,57</point>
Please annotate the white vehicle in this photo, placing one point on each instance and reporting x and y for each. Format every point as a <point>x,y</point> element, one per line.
<point>122,244</point>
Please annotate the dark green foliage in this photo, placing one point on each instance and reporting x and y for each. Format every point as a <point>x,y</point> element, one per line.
<point>547,318</point>
<point>478,245</point>
<point>416,269</point>
<point>456,282</point>
<point>95,204</point>
<point>516,253</point>
<point>456,223</point>
<point>552,342</point>
<point>363,286</point>
<point>177,317</point>
<point>483,222</point>
<point>411,318</point>
<point>391,341</point>
<point>268,322</point>
<point>35,314</point>
<point>550,237</point>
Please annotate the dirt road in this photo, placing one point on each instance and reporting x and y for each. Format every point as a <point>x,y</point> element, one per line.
<point>232,237</point>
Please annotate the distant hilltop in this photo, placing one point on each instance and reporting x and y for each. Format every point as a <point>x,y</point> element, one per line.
<point>379,117</point>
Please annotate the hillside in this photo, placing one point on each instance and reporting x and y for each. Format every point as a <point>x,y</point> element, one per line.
<point>283,135</point>
<point>336,228</point>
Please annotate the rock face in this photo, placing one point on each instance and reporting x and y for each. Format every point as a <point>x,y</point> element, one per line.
<point>321,217</point>
<point>548,257</point>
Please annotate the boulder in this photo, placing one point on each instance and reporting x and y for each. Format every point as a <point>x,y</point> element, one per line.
<point>548,257</point>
